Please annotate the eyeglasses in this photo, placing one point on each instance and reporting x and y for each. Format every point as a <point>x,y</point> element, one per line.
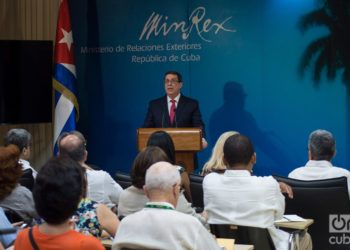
<point>171,81</point>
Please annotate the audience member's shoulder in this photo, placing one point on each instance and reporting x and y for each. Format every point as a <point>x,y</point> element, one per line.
<point>266,180</point>
<point>186,219</point>
<point>295,171</point>
<point>132,190</point>
<point>101,173</point>
<point>22,233</point>
<point>23,190</point>
<point>89,242</point>
<point>212,177</point>
<point>21,238</point>
<point>342,170</point>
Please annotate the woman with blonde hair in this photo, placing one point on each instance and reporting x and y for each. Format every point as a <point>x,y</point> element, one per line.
<point>216,161</point>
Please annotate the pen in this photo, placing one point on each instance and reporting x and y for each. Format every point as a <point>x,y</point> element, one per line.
<point>284,217</point>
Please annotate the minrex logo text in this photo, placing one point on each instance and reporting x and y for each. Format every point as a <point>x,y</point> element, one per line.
<point>197,23</point>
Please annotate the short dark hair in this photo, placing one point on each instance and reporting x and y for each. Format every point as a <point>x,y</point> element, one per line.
<point>19,137</point>
<point>238,149</point>
<point>143,161</point>
<point>171,72</point>
<point>321,145</point>
<point>163,140</point>
<point>77,151</point>
<point>58,189</point>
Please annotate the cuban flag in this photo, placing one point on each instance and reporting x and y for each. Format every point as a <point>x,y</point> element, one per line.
<point>64,78</point>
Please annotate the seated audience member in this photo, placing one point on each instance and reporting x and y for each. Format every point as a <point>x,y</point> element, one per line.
<point>216,162</point>
<point>133,198</point>
<point>23,140</point>
<point>236,197</point>
<point>12,195</point>
<point>158,225</point>
<point>163,140</point>
<point>101,186</point>
<point>91,218</point>
<point>6,240</point>
<point>321,150</point>
<point>57,192</point>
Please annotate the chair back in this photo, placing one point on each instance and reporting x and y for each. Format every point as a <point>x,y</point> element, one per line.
<point>196,186</point>
<point>123,179</point>
<point>259,237</point>
<point>12,215</point>
<point>318,200</point>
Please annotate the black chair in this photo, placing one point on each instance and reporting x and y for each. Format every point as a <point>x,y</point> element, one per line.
<point>12,215</point>
<point>259,237</point>
<point>27,179</point>
<point>123,179</point>
<point>318,199</point>
<point>196,186</point>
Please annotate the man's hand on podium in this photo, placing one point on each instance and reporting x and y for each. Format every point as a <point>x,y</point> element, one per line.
<point>204,143</point>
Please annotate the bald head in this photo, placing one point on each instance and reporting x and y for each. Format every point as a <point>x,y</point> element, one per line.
<point>74,146</point>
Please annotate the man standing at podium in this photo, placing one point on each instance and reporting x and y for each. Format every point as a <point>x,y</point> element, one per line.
<point>174,109</point>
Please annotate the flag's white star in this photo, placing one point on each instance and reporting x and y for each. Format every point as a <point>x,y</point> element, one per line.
<point>67,38</point>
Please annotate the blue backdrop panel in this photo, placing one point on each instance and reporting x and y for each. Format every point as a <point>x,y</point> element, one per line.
<point>238,58</point>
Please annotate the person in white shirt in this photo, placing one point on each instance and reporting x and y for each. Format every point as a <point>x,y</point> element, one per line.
<point>101,186</point>
<point>159,225</point>
<point>237,197</point>
<point>321,150</point>
<point>23,140</point>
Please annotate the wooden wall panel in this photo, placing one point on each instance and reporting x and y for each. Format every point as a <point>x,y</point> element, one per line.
<point>30,20</point>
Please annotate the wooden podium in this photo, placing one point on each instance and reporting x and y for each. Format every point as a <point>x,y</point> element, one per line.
<point>187,142</point>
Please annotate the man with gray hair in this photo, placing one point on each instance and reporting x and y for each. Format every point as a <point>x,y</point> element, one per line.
<point>23,140</point>
<point>158,225</point>
<point>321,150</point>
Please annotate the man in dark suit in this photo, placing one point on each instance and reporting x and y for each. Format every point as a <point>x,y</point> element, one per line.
<point>174,109</point>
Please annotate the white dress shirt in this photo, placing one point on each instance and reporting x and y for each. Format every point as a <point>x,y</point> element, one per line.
<point>26,165</point>
<point>102,188</point>
<point>318,170</point>
<point>163,229</point>
<point>236,197</point>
